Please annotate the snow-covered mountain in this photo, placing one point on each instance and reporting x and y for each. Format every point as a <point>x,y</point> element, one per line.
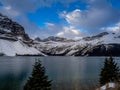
<point>103,44</point>
<point>14,40</point>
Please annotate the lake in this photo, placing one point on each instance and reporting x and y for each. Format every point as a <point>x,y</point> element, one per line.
<point>66,73</point>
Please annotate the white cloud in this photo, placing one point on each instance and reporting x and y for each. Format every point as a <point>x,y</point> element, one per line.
<point>18,10</point>
<point>99,14</point>
<point>70,32</point>
<point>50,29</point>
<point>49,24</point>
<point>115,28</point>
<point>9,11</point>
<point>8,7</point>
<point>60,34</point>
<point>72,17</point>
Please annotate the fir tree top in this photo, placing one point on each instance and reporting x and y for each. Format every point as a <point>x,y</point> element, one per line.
<point>110,71</point>
<point>38,80</point>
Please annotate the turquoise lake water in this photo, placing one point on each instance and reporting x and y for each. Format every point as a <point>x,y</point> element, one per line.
<point>66,73</point>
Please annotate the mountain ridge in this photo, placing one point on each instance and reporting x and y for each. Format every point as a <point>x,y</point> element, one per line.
<point>13,38</point>
<point>103,44</point>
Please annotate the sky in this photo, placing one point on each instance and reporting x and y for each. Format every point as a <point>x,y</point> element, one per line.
<point>64,18</point>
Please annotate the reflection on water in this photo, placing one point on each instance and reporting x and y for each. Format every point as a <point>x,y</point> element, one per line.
<point>67,73</point>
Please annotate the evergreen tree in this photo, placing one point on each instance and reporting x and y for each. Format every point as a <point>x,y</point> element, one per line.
<point>110,71</point>
<point>38,80</point>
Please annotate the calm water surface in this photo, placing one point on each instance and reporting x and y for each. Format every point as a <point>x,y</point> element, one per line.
<point>66,73</point>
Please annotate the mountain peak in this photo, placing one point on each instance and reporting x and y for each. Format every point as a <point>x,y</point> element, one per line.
<point>11,28</point>
<point>7,25</point>
<point>37,39</point>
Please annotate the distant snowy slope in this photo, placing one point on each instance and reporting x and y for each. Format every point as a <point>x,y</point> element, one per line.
<point>12,48</point>
<point>103,44</point>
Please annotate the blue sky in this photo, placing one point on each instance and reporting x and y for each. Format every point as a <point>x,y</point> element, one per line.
<point>64,18</point>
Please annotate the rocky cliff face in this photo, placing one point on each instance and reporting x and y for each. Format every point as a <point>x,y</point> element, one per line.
<point>11,28</point>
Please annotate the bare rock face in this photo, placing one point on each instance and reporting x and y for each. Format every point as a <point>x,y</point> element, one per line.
<point>99,50</point>
<point>9,27</point>
<point>105,50</point>
<point>37,39</point>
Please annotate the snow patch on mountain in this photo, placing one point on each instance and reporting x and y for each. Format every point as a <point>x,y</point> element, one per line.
<point>13,48</point>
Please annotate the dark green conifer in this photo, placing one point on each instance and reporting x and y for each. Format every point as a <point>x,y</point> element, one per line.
<point>38,80</point>
<point>110,71</point>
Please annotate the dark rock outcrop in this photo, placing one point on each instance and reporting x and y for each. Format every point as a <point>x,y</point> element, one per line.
<point>37,39</point>
<point>99,50</point>
<point>104,50</point>
<point>9,27</point>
